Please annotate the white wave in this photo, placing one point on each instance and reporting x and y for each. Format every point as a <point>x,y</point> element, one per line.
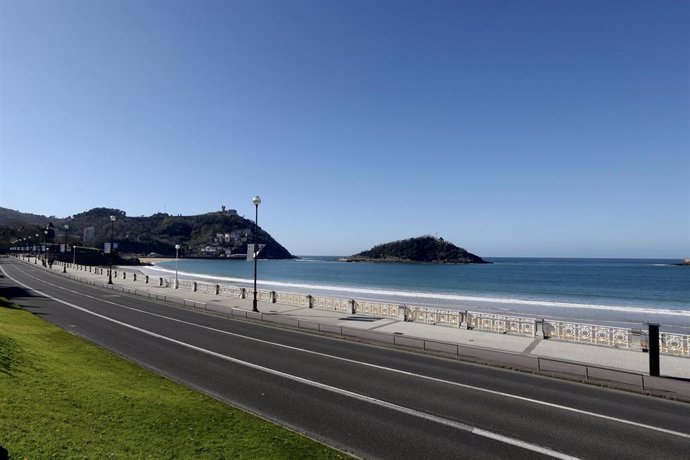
<point>372,292</point>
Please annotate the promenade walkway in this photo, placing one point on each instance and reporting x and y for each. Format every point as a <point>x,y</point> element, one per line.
<point>626,368</point>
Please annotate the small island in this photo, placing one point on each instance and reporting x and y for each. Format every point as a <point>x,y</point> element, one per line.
<point>424,249</point>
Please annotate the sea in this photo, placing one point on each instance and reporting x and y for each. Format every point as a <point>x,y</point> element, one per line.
<point>623,292</point>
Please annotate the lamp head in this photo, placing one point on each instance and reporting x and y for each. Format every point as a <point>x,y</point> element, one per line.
<point>256,200</point>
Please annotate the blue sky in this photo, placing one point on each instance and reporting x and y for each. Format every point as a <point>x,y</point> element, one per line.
<point>511,128</point>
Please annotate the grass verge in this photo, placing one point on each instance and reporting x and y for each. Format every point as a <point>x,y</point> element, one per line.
<point>63,397</point>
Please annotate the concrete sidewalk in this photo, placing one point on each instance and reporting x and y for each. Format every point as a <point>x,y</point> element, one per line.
<point>624,368</point>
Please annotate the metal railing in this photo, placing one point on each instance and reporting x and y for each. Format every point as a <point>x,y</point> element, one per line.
<point>330,303</point>
<point>430,315</point>
<point>383,310</point>
<point>501,323</point>
<point>588,333</point>
<point>669,343</point>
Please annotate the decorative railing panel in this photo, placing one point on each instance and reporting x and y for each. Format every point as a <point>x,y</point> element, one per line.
<point>231,291</point>
<point>290,298</point>
<point>669,343</point>
<point>185,284</point>
<point>675,344</point>
<point>434,316</point>
<point>384,310</point>
<point>502,324</point>
<point>263,296</point>
<point>206,287</point>
<point>331,303</point>
<point>588,333</point>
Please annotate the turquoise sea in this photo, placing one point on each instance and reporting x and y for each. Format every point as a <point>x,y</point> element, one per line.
<point>629,291</point>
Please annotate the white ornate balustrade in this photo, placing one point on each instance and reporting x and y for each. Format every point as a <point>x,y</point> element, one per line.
<point>383,310</point>
<point>206,287</point>
<point>230,291</point>
<point>669,343</point>
<point>262,296</point>
<point>185,284</point>
<point>588,333</point>
<point>675,344</point>
<point>290,298</point>
<point>331,303</point>
<point>501,323</point>
<point>430,315</point>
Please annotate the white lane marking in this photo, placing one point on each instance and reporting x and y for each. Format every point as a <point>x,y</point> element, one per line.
<point>397,371</point>
<point>340,391</point>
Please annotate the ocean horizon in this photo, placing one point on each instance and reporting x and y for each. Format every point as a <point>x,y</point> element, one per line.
<point>630,292</point>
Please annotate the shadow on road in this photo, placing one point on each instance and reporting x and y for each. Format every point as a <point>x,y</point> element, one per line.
<point>12,293</point>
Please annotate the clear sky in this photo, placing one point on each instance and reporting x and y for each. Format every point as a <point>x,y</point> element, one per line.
<point>511,128</point>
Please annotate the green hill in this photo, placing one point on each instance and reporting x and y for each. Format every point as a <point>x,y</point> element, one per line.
<point>422,249</point>
<point>214,234</point>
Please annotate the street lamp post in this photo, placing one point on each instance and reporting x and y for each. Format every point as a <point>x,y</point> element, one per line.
<point>45,249</point>
<point>257,201</point>
<point>110,271</point>
<point>64,263</point>
<point>177,254</point>
<point>38,248</point>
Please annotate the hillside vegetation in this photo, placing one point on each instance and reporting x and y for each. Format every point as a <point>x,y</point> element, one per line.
<point>214,234</point>
<point>422,249</point>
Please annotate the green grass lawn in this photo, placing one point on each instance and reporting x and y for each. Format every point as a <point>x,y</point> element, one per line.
<point>62,397</point>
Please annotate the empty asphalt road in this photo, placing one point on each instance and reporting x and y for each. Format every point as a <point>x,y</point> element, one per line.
<point>372,402</point>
